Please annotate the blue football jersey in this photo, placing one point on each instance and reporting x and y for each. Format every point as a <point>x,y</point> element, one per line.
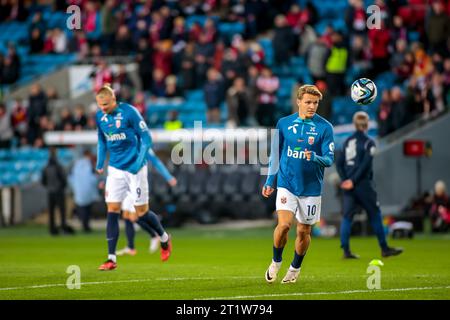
<point>125,135</point>
<point>288,159</point>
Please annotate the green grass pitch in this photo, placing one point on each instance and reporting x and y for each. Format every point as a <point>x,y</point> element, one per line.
<point>215,263</point>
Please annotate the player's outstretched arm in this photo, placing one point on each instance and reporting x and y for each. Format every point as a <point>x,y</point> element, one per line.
<point>160,167</point>
<point>276,146</point>
<point>141,129</point>
<point>101,150</point>
<point>327,157</point>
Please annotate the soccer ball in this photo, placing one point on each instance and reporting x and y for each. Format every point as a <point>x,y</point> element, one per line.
<point>364,91</point>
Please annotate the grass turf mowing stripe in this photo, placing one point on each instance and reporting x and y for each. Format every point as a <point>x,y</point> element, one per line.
<point>323,293</point>
<point>40,286</point>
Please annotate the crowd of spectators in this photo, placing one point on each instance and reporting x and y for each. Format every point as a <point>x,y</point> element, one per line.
<point>174,56</point>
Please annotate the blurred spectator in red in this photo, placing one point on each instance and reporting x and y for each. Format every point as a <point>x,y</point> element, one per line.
<point>195,32</point>
<point>437,28</point>
<point>379,46</point>
<point>139,103</point>
<point>101,75</point>
<point>240,109</point>
<point>210,31</point>
<point>158,85</point>
<point>440,208</point>
<point>267,84</point>
<point>219,53</point>
<point>91,20</point>
<point>162,58</point>
<point>6,130</point>
<point>188,67</point>
<point>172,89</point>
<point>283,41</point>
<point>355,17</point>
<point>214,95</point>
<point>49,45</point>
<point>19,121</point>
<point>79,118</point>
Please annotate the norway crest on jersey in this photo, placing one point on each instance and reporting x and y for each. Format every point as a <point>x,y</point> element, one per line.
<point>311,140</point>
<point>118,123</point>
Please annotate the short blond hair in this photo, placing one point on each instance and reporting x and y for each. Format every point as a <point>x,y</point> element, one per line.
<point>361,120</point>
<point>106,90</point>
<point>308,89</point>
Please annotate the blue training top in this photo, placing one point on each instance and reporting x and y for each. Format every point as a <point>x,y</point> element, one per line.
<point>294,136</point>
<point>125,135</point>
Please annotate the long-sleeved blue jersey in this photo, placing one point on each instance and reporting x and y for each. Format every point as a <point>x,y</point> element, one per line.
<point>125,135</point>
<point>355,162</point>
<point>159,166</point>
<point>295,136</point>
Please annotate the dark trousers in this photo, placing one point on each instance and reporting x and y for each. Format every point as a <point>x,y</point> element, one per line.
<point>364,195</point>
<point>56,199</point>
<point>84,213</point>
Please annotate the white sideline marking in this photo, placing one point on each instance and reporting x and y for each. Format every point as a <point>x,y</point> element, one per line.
<point>125,281</point>
<point>322,293</point>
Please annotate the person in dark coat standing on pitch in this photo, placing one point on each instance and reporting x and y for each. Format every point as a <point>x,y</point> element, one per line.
<point>55,181</point>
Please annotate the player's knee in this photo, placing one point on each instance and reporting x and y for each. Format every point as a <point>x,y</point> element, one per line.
<point>113,207</point>
<point>141,210</point>
<point>284,227</point>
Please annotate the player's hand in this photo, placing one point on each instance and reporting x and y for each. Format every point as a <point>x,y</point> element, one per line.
<point>267,191</point>
<point>347,184</point>
<point>100,171</point>
<point>172,182</point>
<point>308,154</point>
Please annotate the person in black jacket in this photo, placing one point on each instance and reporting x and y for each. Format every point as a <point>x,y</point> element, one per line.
<point>55,181</point>
<point>355,170</point>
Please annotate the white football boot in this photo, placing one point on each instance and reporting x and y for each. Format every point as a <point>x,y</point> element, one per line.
<point>272,271</point>
<point>291,275</point>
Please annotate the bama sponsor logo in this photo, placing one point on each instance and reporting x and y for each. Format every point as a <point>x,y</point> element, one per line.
<point>116,136</point>
<point>296,153</point>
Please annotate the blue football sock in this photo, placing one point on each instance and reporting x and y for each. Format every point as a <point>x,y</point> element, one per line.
<point>277,254</point>
<point>112,231</point>
<point>129,230</point>
<point>151,220</point>
<point>297,261</point>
